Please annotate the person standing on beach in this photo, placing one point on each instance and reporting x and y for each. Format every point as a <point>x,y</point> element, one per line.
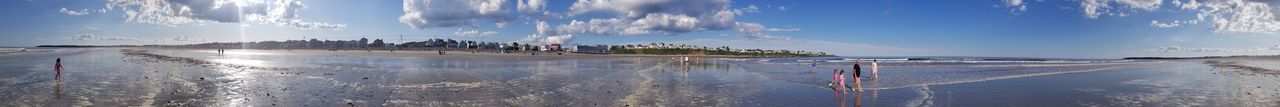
<point>857,74</point>
<point>875,69</point>
<point>57,68</point>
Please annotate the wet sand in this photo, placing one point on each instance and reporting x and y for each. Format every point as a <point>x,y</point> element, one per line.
<point>193,77</point>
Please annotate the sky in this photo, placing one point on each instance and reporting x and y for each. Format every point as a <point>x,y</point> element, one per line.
<point>1003,28</point>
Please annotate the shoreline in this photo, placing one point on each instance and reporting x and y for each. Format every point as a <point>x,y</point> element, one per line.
<point>455,52</point>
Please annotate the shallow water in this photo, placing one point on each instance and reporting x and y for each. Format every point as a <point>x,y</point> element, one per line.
<point>106,77</point>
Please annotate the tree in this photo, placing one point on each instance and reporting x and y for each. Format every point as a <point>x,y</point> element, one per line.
<point>364,41</point>
<point>377,43</point>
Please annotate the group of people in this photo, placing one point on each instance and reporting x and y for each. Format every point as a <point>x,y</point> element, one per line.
<point>838,77</point>
<point>220,51</point>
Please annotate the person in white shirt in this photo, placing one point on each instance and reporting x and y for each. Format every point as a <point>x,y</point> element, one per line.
<point>875,70</point>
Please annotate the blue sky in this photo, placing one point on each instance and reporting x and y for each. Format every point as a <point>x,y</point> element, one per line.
<point>1033,28</point>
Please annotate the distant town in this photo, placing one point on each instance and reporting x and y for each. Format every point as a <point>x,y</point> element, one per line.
<point>484,46</point>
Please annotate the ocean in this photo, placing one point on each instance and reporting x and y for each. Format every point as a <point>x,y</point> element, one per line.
<point>203,77</point>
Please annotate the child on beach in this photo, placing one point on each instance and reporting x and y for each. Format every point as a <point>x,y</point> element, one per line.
<point>57,67</point>
<point>837,80</point>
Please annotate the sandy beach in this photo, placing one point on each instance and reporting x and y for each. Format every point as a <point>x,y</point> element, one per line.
<point>202,77</point>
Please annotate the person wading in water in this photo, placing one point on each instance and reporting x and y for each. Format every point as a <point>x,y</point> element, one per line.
<point>57,67</point>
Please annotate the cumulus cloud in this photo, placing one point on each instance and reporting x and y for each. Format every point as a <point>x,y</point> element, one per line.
<point>475,33</point>
<point>69,12</point>
<point>757,31</point>
<point>783,30</point>
<point>1165,25</point>
<point>782,8</point>
<point>542,27</point>
<point>1181,49</point>
<point>1017,5</point>
<point>187,39</point>
<point>1225,16</point>
<point>540,39</point>
<point>1097,8</point>
<point>640,17</point>
<point>1236,15</point>
<point>421,14</point>
<point>94,37</point>
<point>748,9</point>
<point>531,6</point>
<point>178,12</point>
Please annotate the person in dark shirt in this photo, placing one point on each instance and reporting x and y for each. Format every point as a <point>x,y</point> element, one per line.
<point>857,74</point>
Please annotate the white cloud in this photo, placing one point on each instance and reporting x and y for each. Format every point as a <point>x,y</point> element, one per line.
<point>187,39</point>
<point>531,6</point>
<point>1165,25</point>
<point>179,12</point>
<point>539,39</point>
<point>1236,15</point>
<point>475,33</point>
<point>640,17</point>
<point>1096,8</point>
<point>1181,49</point>
<point>1018,5</point>
<point>1141,4</point>
<point>421,14</point>
<point>782,8</point>
<point>748,9</point>
<point>757,32</point>
<point>1012,2</point>
<point>782,30</point>
<point>94,37</point>
<point>80,12</point>
<point>1225,16</point>
<point>543,28</point>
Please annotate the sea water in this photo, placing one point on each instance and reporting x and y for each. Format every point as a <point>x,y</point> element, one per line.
<point>107,77</point>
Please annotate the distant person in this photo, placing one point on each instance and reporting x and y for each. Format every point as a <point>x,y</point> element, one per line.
<point>57,68</point>
<point>813,64</point>
<point>857,74</point>
<point>875,69</point>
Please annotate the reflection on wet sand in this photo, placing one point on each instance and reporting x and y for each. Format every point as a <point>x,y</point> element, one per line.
<point>57,89</point>
<point>838,97</point>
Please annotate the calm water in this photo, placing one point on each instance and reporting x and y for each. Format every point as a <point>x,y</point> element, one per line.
<point>106,77</point>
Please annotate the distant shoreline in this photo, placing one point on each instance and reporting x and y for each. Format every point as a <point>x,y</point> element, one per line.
<point>1200,57</point>
<point>460,52</point>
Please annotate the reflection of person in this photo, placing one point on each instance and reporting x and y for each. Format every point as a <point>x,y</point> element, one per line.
<point>57,68</point>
